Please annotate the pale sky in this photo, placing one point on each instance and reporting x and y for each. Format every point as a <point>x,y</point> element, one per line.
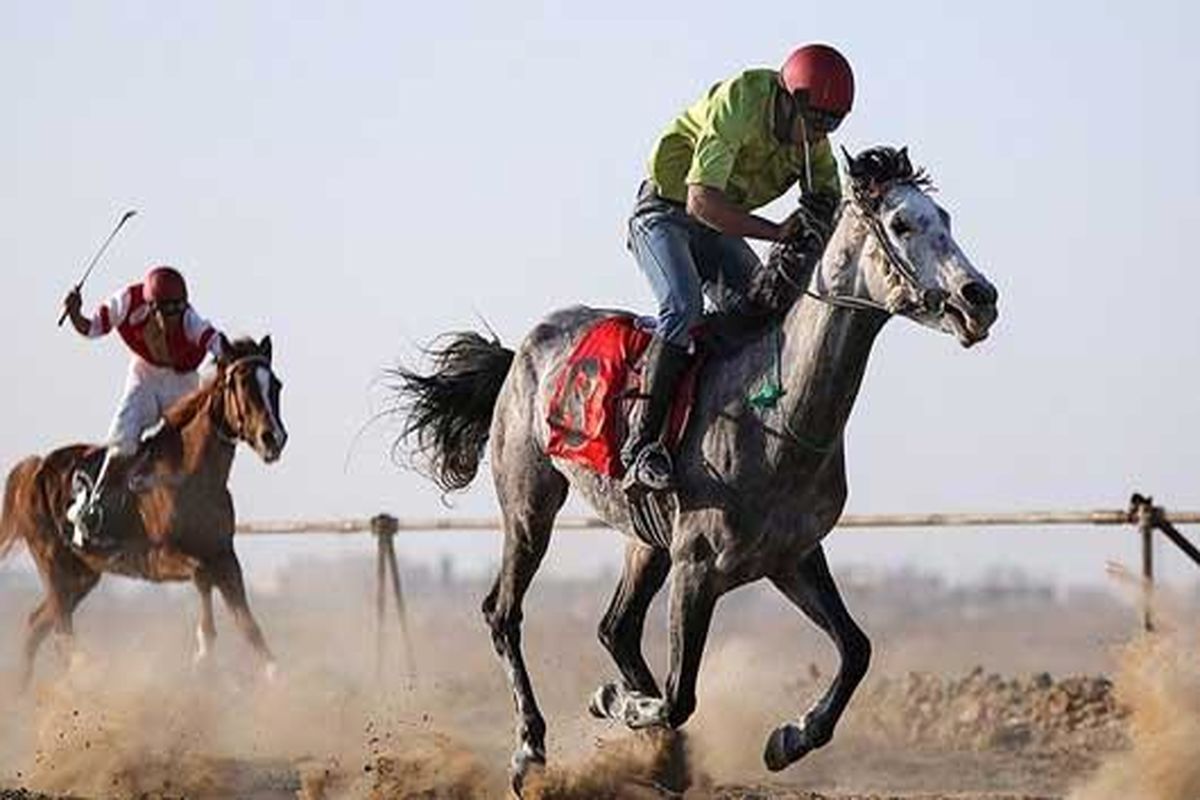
<point>355,178</point>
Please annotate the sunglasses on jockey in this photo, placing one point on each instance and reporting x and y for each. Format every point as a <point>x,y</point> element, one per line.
<point>171,308</point>
<point>817,120</point>
<point>822,122</point>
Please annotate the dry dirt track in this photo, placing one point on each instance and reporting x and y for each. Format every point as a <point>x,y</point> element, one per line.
<point>130,717</point>
<point>731,793</point>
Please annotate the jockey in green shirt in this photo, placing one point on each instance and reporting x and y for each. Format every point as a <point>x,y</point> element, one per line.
<point>746,142</point>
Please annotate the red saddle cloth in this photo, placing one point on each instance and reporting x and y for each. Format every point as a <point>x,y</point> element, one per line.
<point>595,389</point>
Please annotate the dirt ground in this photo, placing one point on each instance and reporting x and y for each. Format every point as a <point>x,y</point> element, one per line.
<point>1006,691</point>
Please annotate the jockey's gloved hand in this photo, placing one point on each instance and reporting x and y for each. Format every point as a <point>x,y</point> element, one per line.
<point>791,228</point>
<point>820,208</point>
<point>73,301</point>
<point>803,232</point>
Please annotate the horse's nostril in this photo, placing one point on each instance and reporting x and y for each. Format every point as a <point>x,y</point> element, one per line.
<point>979,294</point>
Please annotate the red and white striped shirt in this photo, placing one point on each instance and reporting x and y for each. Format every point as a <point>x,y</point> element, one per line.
<point>129,312</point>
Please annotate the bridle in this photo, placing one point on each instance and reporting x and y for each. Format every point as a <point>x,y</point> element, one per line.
<point>232,434</point>
<point>930,301</point>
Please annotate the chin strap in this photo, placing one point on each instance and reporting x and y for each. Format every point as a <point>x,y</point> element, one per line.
<point>808,184</point>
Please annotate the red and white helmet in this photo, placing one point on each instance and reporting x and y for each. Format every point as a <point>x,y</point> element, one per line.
<point>824,75</point>
<point>164,284</point>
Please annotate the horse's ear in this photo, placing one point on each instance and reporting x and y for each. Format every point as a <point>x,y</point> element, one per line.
<point>905,164</point>
<point>849,159</point>
<point>224,349</point>
<point>265,347</point>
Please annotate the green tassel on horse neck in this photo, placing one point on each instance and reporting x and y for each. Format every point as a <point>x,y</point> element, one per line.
<point>767,395</point>
<point>771,390</point>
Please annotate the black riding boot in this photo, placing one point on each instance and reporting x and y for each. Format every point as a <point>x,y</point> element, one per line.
<point>647,462</point>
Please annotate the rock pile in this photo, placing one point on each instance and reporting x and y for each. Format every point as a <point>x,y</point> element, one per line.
<point>987,711</point>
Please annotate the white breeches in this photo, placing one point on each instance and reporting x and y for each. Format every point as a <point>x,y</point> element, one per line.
<point>149,391</point>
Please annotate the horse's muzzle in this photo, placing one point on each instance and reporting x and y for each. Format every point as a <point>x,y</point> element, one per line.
<point>271,445</point>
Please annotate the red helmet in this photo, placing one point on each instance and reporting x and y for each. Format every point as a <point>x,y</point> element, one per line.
<point>164,285</point>
<point>824,74</point>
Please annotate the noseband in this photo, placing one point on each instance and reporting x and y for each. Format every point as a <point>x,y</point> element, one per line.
<point>232,434</point>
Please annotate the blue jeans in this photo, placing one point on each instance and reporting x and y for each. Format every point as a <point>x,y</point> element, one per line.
<point>684,260</point>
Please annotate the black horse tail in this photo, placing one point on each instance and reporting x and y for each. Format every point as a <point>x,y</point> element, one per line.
<point>448,413</point>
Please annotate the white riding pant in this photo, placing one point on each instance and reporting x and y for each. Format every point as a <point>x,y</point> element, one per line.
<point>149,391</point>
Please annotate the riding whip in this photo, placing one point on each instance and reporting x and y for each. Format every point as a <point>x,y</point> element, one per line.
<point>91,264</point>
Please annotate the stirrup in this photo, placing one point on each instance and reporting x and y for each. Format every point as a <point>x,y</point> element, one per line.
<point>652,470</point>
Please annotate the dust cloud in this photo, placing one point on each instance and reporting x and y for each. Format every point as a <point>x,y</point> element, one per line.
<point>1158,680</point>
<point>126,713</point>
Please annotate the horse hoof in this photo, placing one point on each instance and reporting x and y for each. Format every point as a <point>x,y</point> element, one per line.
<point>271,672</point>
<point>786,745</point>
<point>525,763</point>
<point>641,712</point>
<point>603,704</point>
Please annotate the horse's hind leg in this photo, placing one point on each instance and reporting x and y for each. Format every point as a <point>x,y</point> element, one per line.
<point>41,620</point>
<point>66,584</point>
<point>227,575</point>
<point>810,586</point>
<point>642,575</point>
<point>531,492</point>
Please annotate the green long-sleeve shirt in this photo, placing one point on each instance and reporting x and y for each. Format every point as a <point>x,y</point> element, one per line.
<point>726,141</point>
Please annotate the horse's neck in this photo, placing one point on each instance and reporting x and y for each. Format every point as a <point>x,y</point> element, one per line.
<point>207,455</point>
<point>825,348</point>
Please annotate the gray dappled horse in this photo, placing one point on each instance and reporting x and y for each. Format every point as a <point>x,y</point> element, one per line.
<point>759,485</point>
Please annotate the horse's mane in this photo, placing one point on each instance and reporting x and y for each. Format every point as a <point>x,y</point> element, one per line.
<point>882,165</point>
<point>187,407</point>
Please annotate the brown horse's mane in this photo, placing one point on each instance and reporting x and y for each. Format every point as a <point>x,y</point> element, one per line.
<point>190,405</point>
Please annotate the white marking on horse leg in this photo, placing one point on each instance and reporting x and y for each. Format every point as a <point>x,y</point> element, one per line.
<point>202,648</point>
<point>639,711</point>
<point>271,671</point>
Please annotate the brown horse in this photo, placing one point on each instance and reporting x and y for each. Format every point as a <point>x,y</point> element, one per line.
<point>175,524</point>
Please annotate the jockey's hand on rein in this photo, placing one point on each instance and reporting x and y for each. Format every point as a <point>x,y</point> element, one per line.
<point>820,206</point>
<point>802,232</point>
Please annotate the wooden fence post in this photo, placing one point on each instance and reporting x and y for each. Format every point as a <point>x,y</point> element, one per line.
<point>387,571</point>
<point>1144,515</point>
<point>380,593</point>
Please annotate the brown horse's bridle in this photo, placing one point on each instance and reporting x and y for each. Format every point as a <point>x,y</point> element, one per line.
<point>232,434</point>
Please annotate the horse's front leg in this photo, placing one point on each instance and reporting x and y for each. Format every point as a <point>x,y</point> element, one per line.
<point>206,629</point>
<point>809,585</point>
<point>227,575</point>
<point>693,597</point>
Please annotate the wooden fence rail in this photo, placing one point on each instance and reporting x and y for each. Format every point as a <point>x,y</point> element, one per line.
<point>1140,513</point>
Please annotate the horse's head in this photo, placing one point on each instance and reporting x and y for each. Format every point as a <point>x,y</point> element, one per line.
<point>908,261</point>
<point>250,396</point>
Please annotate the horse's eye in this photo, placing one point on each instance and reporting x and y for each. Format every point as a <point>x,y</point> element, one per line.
<point>901,227</point>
